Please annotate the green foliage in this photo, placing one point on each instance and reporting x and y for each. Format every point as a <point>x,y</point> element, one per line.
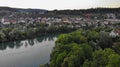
<point>75,37</point>
<point>17,32</point>
<point>100,58</point>
<point>30,31</point>
<point>87,63</point>
<point>64,39</point>
<point>72,56</point>
<point>92,35</point>
<point>114,60</point>
<point>60,58</point>
<point>105,41</point>
<point>2,36</point>
<point>116,47</point>
<point>85,48</point>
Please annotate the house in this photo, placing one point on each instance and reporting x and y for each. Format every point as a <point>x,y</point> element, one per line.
<point>21,20</point>
<point>112,21</point>
<point>5,21</point>
<point>105,22</point>
<point>66,20</point>
<point>115,33</point>
<point>44,20</point>
<point>13,21</point>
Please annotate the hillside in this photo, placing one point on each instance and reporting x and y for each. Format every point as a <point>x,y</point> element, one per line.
<point>85,11</point>
<point>9,10</point>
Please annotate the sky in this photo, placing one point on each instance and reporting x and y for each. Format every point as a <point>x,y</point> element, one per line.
<point>60,4</point>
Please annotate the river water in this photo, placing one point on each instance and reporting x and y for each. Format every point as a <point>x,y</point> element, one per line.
<point>27,53</point>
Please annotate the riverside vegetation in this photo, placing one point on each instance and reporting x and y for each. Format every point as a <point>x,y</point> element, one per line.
<point>22,31</point>
<point>86,48</point>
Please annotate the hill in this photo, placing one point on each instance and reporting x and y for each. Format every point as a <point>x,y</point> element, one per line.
<point>9,10</point>
<point>85,11</point>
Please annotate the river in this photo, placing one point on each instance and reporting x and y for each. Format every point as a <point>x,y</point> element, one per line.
<point>27,53</point>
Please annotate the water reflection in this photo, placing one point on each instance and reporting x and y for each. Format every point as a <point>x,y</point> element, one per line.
<point>27,53</point>
<point>28,42</point>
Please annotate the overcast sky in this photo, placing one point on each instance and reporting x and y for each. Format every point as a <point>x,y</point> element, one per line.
<point>60,4</point>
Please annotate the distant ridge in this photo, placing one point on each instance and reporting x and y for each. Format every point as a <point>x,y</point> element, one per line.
<point>85,11</point>
<point>9,10</point>
<point>21,9</point>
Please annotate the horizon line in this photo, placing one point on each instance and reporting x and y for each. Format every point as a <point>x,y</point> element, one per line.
<point>60,9</point>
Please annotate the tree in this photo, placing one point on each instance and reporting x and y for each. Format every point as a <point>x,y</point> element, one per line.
<point>70,55</point>
<point>64,39</point>
<point>100,58</point>
<point>114,60</point>
<point>105,41</point>
<point>116,47</point>
<point>93,35</point>
<point>30,31</point>
<point>60,59</point>
<point>2,36</point>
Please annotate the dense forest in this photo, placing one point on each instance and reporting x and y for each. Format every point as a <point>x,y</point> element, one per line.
<point>86,48</point>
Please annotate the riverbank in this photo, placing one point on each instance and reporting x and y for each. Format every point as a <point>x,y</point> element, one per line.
<point>17,33</point>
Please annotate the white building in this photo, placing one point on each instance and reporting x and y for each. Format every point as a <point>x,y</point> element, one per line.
<point>5,21</point>
<point>114,34</point>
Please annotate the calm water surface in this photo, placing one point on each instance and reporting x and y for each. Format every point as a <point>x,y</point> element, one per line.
<point>27,53</point>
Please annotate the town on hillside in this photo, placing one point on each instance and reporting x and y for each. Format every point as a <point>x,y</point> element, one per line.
<point>22,18</point>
